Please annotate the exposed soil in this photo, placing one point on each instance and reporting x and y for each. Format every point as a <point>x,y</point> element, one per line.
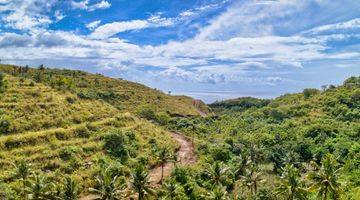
<point>186,156</point>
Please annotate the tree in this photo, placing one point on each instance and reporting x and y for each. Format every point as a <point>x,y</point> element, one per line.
<point>291,187</point>
<point>38,188</point>
<point>217,174</point>
<point>218,193</point>
<point>251,179</point>
<point>163,157</point>
<point>140,183</point>
<point>325,178</point>
<point>108,186</point>
<point>173,190</point>
<point>70,189</point>
<point>22,171</point>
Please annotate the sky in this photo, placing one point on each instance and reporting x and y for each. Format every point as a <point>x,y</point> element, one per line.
<point>207,49</point>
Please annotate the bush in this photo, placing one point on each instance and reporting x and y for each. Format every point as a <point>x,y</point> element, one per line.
<point>70,100</point>
<point>115,145</point>
<point>163,118</point>
<point>309,92</point>
<point>68,153</point>
<point>4,124</point>
<point>82,132</point>
<point>147,112</point>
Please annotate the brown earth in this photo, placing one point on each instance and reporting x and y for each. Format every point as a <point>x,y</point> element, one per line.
<point>186,156</point>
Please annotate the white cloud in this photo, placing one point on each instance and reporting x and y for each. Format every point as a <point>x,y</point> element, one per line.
<point>110,29</point>
<point>85,5</point>
<point>347,25</point>
<point>59,15</point>
<point>93,25</point>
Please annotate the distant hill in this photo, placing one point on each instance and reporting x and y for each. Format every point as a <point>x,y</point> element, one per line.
<point>239,104</point>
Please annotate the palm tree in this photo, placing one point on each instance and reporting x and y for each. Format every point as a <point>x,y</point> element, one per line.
<point>251,179</point>
<point>175,158</point>
<point>22,171</point>
<point>140,183</point>
<point>325,179</point>
<point>163,158</point>
<point>38,188</point>
<point>109,187</point>
<point>70,189</point>
<point>173,190</point>
<point>291,185</point>
<point>218,193</point>
<point>217,174</point>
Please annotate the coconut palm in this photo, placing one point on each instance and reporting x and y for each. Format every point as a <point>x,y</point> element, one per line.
<point>163,157</point>
<point>325,178</point>
<point>251,179</point>
<point>291,187</point>
<point>69,189</point>
<point>172,190</point>
<point>22,171</point>
<point>109,186</point>
<point>217,174</point>
<point>140,183</point>
<point>38,187</point>
<point>218,193</point>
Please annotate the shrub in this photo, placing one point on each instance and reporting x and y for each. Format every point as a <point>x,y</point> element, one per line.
<point>309,92</point>
<point>68,153</point>
<point>163,118</point>
<point>82,132</point>
<point>70,100</point>
<point>147,112</point>
<point>4,124</point>
<point>115,145</point>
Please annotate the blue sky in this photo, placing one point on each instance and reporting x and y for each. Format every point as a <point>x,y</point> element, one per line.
<point>208,49</point>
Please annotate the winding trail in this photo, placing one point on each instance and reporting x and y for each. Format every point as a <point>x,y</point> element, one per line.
<point>186,156</point>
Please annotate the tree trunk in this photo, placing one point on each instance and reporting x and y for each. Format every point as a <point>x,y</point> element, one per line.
<point>162,173</point>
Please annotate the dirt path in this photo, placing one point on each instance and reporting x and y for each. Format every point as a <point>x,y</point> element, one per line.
<point>186,156</point>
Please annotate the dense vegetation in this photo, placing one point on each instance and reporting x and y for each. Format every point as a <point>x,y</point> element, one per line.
<point>69,134</point>
<point>297,146</point>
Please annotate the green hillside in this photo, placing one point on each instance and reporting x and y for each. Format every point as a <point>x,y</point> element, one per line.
<point>62,122</point>
<point>121,94</point>
<point>303,134</point>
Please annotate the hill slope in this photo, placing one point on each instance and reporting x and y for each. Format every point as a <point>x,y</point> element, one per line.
<point>122,94</point>
<point>76,123</point>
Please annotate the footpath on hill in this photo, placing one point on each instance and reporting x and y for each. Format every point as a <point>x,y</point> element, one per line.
<point>186,156</point>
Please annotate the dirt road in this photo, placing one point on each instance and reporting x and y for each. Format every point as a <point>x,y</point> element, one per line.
<point>186,156</point>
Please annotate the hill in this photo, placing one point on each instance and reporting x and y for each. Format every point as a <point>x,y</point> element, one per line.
<point>123,95</point>
<point>305,133</point>
<point>63,122</point>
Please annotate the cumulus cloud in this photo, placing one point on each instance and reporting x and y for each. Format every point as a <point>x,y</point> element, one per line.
<point>85,5</point>
<point>223,51</point>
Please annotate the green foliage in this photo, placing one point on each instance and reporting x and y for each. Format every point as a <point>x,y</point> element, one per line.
<point>69,189</point>
<point>108,186</point>
<point>309,92</point>
<point>4,124</point>
<point>115,144</point>
<point>140,183</point>
<point>147,112</point>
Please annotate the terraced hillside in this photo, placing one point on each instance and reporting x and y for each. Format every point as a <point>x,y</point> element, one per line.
<point>61,122</point>
<point>122,94</point>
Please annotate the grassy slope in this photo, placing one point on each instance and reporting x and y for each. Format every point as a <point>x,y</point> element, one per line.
<point>46,119</point>
<point>122,94</point>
